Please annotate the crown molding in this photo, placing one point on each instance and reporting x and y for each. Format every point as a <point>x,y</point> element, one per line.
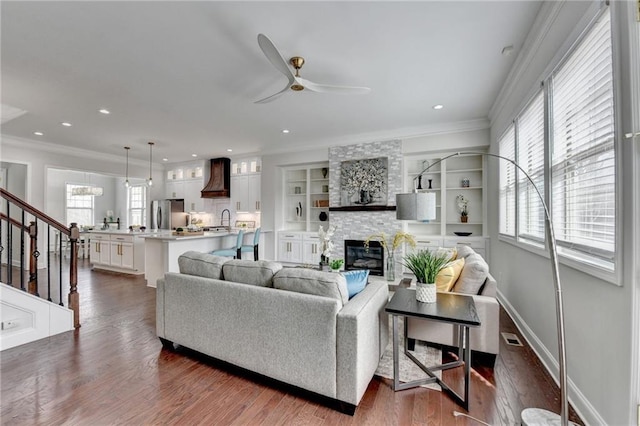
<point>393,134</point>
<point>544,22</point>
<point>53,148</point>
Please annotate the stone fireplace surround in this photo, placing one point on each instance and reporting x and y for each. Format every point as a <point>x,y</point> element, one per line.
<point>358,225</point>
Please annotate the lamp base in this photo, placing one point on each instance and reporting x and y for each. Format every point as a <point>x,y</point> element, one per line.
<point>538,416</point>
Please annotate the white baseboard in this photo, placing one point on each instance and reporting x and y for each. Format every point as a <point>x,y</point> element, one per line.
<point>580,403</point>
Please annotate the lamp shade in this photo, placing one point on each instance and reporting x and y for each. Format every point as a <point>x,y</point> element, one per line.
<point>416,206</point>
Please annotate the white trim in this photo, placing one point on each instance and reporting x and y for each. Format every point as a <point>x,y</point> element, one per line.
<point>577,399</point>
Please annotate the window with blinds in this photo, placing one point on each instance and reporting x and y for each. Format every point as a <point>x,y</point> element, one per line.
<point>507,147</point>
<point>583,155</point>
<point>530,131</point>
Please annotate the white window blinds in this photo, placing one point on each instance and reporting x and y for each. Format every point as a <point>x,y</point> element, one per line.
<point>507,146</point>
<point>530,129</point>
<point>583,155</point>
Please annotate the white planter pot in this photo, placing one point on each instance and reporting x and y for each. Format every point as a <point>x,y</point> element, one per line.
<point>426,293</point>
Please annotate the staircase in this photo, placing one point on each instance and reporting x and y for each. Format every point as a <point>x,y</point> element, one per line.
<point>34,302</point>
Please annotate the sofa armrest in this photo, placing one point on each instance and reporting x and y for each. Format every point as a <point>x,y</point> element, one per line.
<point>362,335</point>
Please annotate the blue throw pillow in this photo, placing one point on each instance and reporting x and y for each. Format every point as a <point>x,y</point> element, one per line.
<point>356,280</point>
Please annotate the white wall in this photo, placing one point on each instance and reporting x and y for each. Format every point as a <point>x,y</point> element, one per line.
<point>598,314</point>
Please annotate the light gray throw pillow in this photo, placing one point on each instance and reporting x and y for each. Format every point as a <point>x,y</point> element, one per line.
<point>473,275</point>
<point>308,281</point>
<point>258,272</point>
<point>201,264</point>
<point>464,251</point>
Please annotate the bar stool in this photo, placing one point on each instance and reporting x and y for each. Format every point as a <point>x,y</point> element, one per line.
<point>232,251</point>
<point>252,247</point>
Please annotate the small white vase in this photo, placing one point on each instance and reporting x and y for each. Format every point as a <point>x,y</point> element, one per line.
<point>426,293</point>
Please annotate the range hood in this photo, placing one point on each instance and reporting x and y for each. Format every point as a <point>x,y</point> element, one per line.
<point>219,179</point>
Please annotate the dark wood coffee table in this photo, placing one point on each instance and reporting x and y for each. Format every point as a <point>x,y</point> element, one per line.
<point>455,309</point>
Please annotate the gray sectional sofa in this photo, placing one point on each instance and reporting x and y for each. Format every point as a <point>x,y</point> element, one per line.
<point>293,325</point>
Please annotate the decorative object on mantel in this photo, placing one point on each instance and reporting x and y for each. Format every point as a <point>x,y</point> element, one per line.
<point>398,239</point>
<point>323,216</point>
<point>336,264</point>
<point>463,208</point>
<point>366,179</point>
<point>537,413</point>
<point>324,172</point>
<point>299,211</point>
<point>326,245</point>
<point>425,265</point>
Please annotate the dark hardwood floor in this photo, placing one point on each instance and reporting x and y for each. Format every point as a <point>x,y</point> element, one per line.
<point>113,370</point>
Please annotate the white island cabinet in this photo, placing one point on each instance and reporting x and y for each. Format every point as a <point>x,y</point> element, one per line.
<point>119,251</point>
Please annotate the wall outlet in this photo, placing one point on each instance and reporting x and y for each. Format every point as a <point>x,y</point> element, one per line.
<point>8,324</point>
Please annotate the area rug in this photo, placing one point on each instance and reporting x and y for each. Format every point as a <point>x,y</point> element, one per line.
<point>409,371</point>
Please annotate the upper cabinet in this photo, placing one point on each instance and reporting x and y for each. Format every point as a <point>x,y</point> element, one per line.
<point>458,183</point>
<point>186,181</point>
<point>306,200</point>
<point>245,184</point>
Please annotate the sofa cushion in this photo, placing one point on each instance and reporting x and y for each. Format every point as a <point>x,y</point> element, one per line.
<point>201,264</point>
<point>451,253</point>
<point>303,280</point>
<point>464,251</point>
<point>253,272</point>
<point>356,280</point>
<point>448,275</point>
<point>473,275</point>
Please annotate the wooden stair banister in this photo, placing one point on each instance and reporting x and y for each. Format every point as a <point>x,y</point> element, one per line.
<point>73,234</point>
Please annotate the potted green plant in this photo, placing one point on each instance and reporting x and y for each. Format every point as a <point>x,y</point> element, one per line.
<point>425,265</point>
<point>336,264</point>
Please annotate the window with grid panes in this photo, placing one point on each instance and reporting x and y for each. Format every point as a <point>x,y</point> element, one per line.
<point>79,208</point>
<point>137,205</point>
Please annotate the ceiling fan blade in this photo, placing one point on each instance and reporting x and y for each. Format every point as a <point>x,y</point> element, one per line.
<point>272,54</point>
<point>328,88</point>
<point>273,97</point>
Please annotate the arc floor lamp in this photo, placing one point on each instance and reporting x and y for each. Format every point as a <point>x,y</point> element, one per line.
<point>421,206</point>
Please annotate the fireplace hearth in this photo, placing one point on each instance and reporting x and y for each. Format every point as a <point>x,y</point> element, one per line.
<point>356,256</point>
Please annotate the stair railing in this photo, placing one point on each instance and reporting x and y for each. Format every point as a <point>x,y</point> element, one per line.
<point>15,207</point>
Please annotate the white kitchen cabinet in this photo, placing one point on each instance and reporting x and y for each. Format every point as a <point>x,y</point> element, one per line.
<point>174,189</point>
<point>117,252</point>
<point>99,249</point>
<point>311,249</point>
<point>290,247</point>
<point>193,201</point>
<point>245,193</point>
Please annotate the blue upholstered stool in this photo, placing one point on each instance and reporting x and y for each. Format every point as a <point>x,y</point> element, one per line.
<point>232,251</point>
<point>252,247</point>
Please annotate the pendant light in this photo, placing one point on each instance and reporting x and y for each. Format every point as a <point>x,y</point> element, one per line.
<point>150,180</point>
<point>126,182</point>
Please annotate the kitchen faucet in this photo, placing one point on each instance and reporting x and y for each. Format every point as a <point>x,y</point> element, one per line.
<point>228,219</point>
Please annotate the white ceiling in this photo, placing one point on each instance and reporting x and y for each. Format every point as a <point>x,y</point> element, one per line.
<point>185,74</point>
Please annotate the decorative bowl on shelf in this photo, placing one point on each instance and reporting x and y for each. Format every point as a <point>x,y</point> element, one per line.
<point>463,234</point>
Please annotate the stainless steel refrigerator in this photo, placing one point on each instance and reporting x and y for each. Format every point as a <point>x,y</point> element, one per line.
<point>168,214</point>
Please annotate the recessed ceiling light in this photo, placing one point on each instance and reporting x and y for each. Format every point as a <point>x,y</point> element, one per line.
<point>285,131</point>
<point>165,159</point>
<point>229,150</point>
<point>438,106</point>
<point>105,111</point>
<point>194,155</point>
<point>38,133</point>
<point>66,124</point>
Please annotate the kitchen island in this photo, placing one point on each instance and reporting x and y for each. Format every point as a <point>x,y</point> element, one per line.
<point>116,250</point>
<point>161,250</point>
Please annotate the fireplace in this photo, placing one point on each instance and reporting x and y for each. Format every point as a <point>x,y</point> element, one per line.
<point>357,257</point>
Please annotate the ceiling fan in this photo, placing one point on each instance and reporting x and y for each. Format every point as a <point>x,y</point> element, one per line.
<point>297,83</point>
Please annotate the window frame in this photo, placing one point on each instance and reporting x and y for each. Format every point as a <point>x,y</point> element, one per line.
<point>581,262</point>
<point>66,203</point>
<point>143,209</point>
